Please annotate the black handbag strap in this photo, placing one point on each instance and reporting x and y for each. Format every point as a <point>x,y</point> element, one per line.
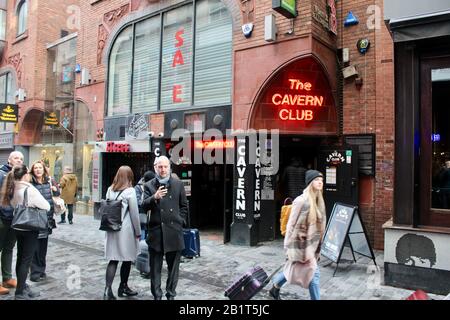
<point>117,195</point>
<point>25,197</point>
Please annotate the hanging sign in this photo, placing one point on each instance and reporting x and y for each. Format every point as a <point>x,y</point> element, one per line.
<point>286,7</point>
<point>9,112</point>
<point>51,118</point>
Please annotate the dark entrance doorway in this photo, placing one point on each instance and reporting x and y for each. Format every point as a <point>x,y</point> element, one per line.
<point>209,194</point>
<point>139,162</point>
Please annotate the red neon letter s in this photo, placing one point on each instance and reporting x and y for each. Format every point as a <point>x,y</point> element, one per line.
<point>177,90</point>
<point>179,37</point>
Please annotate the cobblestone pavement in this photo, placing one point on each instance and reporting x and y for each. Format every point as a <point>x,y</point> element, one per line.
<point>76,270</point>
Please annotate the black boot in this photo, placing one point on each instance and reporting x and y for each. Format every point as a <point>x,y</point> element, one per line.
<point>124,290</point>
<point>109,295</point>
<point>275,293</point>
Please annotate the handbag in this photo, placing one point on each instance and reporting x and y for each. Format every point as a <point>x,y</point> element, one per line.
<point>111,214</point>
<point>29,218</point>
<point>59,205</point>
<point>299,273</point>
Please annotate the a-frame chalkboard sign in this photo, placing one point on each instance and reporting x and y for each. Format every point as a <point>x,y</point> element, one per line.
<point>345,224</point>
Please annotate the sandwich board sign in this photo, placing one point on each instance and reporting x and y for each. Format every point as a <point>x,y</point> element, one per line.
<point>345,226</point>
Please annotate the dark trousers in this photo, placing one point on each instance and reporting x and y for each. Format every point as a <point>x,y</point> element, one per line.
<point>26,247</point>
<point>7,243</point>
<point>70,214</point>
<point>173,265</point>
<point>39,264</point>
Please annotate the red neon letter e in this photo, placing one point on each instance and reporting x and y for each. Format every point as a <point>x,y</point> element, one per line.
<point>177,91</point>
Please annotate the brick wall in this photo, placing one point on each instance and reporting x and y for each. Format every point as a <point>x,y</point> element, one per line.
<point>370,108</point>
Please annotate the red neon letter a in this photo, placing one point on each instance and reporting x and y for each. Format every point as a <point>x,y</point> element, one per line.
<point>177,58</point>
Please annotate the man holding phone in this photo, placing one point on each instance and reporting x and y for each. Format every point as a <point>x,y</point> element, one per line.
<point>166,199</point>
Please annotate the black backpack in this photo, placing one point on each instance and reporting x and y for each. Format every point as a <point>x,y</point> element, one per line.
<point>111,213</point>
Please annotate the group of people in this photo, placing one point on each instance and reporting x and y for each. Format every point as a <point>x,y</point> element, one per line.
<point>35,188</point>
<point>164,199</point>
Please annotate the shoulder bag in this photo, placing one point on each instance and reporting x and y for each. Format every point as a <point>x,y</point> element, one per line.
<point>111,214</point>
<point>29,218</point>
<point>58,203</point>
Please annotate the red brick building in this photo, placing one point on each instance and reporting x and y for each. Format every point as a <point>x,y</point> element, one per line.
<point>355,109</point>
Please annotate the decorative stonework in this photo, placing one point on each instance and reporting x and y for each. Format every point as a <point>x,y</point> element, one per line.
<point>101,41</point>
<point>115,15</point>
<point>248,10</point>
<point>16,62</point>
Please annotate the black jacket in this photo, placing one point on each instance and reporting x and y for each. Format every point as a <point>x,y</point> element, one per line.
<point>6,213</point>
<point>44,189</point>
<point>168,216</point>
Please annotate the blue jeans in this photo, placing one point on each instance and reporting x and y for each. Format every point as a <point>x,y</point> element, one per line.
<point>314,287</point>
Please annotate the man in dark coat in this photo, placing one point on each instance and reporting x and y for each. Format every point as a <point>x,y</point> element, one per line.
<point>166,198</point>
<point>7,235</point>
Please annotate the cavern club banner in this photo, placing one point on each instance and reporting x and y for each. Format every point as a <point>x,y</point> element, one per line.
<point>298,99</point>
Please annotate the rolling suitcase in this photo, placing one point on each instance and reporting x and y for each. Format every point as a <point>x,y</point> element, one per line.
<point>191,240</point>
<point>142,260</point>
<point>248,285</point>
<point>191,243</point>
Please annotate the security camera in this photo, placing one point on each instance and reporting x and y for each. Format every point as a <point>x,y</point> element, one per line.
<point>151,134</point>
<point>161,134</point>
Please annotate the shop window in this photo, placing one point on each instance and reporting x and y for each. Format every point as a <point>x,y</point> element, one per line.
<point>2,25</point>
<point>22,15</point>
<point>440,198</point>
<point>213,53</point>
<point>146,65</point>
<point>119,79</point>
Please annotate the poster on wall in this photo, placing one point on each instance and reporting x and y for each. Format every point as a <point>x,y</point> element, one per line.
<point>137,127</point>
<point>285,7</point>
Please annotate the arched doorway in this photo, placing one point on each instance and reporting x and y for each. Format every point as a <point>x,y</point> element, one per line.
<point>31,128</point>
<point>297,100</point>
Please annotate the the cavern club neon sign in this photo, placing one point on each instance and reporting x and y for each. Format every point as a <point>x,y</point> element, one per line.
<point>297,107</point>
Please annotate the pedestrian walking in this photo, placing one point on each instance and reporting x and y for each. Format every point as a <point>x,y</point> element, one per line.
<point>304,235</point>
<point>69,187</point>
<point>123,245</point>
<point>7,234</point>
<point>165,197</point>
<point>13,192</point>
<point>42,181</point>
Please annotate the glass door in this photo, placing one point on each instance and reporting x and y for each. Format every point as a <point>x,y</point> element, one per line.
<point>435,142</point>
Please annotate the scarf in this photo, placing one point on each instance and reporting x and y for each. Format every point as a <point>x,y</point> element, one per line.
<point>162,180</point>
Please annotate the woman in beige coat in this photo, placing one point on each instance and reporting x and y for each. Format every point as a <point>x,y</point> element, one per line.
<point>304,235</point>
<point>69,186</point>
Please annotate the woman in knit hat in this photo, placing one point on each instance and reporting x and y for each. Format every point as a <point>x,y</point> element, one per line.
<point>304,235</point>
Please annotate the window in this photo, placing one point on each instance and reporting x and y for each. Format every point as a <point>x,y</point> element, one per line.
<point>2,25</point>
<point>22,13</point>
<point>213,54</point>
<point>156,70</point>
<point>146,65</point>
<point>6,96</point>
<point>119,78</point>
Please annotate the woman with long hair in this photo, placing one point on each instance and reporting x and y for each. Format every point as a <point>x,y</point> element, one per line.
<point>13,193</point>
<point>122,245</point>
<point>42,181</point>
<point>304,235</point>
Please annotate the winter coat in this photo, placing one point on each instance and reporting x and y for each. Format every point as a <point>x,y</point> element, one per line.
<point>168,216</point>
<point>69,186</point>
<point>35,198</point>
<point>6,213</point>
<point>123,245</point>
<point>139,188</point>
<point>45,190</point>
<point>302,242</point>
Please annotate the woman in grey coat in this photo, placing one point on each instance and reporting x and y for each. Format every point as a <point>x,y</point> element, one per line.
<point>122,245</point>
